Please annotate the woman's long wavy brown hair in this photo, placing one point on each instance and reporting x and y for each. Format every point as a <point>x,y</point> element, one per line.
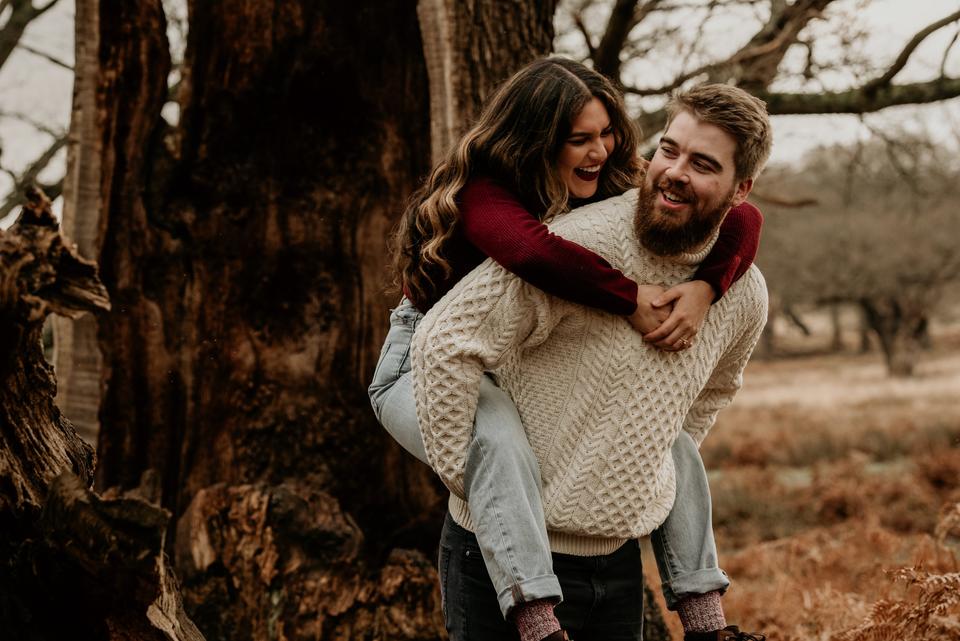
<point>516,141</point>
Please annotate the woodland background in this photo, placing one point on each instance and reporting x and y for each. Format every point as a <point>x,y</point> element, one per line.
<point>232,170</point>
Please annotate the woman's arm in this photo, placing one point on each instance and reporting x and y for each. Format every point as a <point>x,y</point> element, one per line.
<point>497,224</point>
<point>734,251</point>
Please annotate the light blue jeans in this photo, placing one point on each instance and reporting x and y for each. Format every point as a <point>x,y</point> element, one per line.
<point>502,482</point>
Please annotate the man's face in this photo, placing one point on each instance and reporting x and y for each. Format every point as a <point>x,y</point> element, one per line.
<point>689,187</point>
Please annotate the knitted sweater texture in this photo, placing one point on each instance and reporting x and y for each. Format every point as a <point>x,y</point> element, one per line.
<point>600,407</point>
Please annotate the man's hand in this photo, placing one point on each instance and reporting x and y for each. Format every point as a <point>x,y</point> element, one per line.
<point>690,303</point>
<point>648,317</point>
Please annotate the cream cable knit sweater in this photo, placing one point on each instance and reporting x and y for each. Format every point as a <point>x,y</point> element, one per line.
<point>600,407</point>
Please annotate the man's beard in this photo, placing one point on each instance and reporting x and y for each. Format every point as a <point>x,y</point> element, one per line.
<point>665,236</point>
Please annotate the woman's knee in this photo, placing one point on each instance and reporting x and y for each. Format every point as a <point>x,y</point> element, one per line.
<point>685,451</point>
<point>497,419</point>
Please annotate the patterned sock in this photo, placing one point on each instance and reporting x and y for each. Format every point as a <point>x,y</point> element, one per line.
<point>702,612</point>
<point>535,620</point>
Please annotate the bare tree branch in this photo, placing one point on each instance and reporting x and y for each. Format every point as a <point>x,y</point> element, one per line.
<point>578,20</point>
<point>45,56</point>
<point>908,50</point>
<point>607,57</point>
<point>29,176</point>
<point>809,65</point>
<point>946,53</point>
<point>698,4</point>
<point>22,14</point>
<point>854,101</point>
<point>859,100</point>
<point>693,44</point>
<point>14,27</point>
<point>36,124</point>
<point>755,65</point>
<point>771,43</point>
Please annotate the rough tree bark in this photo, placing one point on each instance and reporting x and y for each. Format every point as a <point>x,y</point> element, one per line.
<point>244,252</point>
<point>72,564</point>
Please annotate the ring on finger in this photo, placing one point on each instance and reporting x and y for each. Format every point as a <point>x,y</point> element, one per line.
<point>684,342</point>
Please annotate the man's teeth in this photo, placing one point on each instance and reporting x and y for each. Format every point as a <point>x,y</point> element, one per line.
<point>672,197</point>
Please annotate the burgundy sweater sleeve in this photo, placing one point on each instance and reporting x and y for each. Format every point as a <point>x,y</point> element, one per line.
<point>497,224</point>
<point>735,249</point>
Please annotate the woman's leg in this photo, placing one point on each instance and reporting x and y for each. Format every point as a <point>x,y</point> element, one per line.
<point>683,544</point>
<point>502,478</point>
<point>391,391</point>
<point>502,481</point>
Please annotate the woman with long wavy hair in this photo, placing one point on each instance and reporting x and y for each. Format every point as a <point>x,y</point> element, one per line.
<point>554,136</point>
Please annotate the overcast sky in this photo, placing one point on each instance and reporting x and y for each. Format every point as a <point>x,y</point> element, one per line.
<point>42,90</point>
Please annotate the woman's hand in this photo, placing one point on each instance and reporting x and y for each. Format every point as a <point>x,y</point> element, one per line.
<point>690,302</point>
<point>648,316</point>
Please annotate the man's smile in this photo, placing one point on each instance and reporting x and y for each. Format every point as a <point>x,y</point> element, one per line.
<point>671,198</point>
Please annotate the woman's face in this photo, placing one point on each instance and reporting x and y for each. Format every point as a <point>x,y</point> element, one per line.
<point>586,149</point>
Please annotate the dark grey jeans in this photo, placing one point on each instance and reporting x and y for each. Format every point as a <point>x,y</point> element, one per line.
<point>602,595</point>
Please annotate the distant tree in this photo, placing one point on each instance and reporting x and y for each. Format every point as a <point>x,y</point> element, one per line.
<point>881,235</point>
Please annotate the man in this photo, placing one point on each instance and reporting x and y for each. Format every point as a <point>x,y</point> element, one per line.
<point>601,409</point>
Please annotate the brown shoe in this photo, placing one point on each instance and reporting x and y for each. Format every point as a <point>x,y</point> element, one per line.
<point>729,633</point>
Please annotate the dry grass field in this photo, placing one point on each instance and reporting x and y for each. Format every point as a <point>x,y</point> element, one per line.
<point>837,499</point>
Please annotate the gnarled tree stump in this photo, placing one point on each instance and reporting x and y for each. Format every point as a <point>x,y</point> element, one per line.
<point>72,565</point>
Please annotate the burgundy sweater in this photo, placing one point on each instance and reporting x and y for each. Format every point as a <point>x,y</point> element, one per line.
<point>494,224</point>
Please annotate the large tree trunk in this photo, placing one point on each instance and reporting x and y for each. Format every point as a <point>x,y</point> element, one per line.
<point>245,255</point>
<point>469,49</point>
<point>72,565</point>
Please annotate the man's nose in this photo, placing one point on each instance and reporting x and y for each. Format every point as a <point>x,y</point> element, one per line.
<point>677,171</point>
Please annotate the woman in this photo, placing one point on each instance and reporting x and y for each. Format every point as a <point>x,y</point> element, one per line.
<point>555,135</point>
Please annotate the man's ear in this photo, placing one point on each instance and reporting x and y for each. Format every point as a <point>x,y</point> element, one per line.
<point>742,191</point>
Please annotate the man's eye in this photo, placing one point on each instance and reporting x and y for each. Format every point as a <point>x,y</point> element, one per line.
<point>669,152</point>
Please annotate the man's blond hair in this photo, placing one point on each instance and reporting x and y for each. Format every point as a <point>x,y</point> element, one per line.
<point>736,112</point>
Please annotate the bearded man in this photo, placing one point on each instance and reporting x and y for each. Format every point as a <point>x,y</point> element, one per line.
<point>610,419</point>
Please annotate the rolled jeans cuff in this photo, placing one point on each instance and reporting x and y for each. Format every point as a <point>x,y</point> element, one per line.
<point>697,582</point>
<point>538,587</point>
